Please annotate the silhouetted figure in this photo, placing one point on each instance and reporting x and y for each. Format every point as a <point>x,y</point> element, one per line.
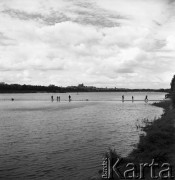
<point>146,98</point>
<point>132,98</point>
<point>52,98</point>
<point>69,98</point>
<point>58,98</point>
<point>123,98</point>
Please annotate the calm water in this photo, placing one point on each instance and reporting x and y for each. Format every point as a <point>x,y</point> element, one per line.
<point>40,139</point>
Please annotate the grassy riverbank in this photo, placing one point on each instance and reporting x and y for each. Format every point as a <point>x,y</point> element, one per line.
<point>157,142</point>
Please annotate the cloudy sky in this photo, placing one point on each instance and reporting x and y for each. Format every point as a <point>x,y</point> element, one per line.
<point>114,43</point>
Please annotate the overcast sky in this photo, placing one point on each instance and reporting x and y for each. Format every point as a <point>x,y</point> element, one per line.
<point>114,43</point>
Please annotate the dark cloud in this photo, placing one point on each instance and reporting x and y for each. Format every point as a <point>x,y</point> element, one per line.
<point>8,69</point>
<point>125,70</point>
<point>23,67</point>
<point>95,19</point>
<point>90,13</point>
<point>171,1</point>
<point>53,18</point>
<point>6,41</point>
<point>157,23</point>
<point>85,13</point>
<point>48,68</point>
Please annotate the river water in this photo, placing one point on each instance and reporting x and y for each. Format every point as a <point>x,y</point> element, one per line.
<point>40,139</point>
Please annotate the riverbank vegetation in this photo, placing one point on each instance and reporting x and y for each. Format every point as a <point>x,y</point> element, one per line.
<point>157,142</point>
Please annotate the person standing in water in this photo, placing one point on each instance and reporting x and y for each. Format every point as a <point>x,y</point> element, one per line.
<point>132,98</point>
<point>69,98</point>
<point>146,99</point>
<point>52,98</point>
<point>123,98</point>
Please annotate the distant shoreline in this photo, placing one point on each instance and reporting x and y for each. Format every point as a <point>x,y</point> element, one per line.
<point>17,88</point>
<point>26,92</point>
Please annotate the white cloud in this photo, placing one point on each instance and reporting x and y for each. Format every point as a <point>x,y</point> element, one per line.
<point>98,43</point>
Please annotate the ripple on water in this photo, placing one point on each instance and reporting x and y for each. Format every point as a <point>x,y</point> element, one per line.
<point>44,140</point>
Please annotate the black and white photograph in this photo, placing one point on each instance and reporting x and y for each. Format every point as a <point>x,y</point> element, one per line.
<point>87,89</point>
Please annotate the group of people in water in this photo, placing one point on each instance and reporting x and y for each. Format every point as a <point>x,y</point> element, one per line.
<point>123,98</point>
<point>58,98</point>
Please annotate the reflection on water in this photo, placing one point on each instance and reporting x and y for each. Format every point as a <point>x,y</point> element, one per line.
<point>52,140</point>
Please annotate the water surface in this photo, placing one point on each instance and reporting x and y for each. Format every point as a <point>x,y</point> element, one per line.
<point>40,139</point>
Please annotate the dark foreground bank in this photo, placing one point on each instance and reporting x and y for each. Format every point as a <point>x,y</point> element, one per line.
<point>154,155</point>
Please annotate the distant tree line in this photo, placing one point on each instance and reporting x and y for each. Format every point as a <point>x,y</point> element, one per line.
<point>17,88</point>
